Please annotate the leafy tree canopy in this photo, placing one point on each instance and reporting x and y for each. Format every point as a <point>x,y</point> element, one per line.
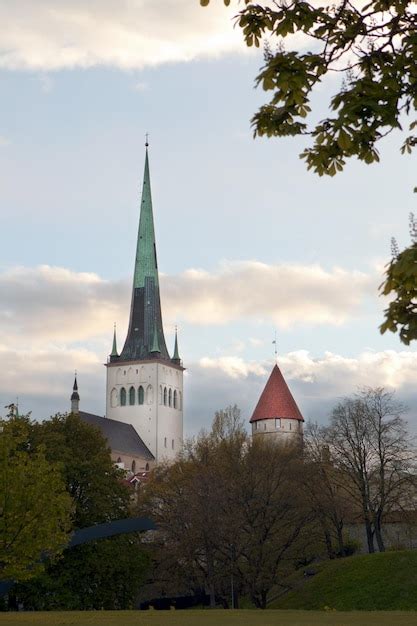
<point>92,479</point>
<point>401,281</point>
<point>104,574</point>
<point>372,47</point>
<point>35,508</point>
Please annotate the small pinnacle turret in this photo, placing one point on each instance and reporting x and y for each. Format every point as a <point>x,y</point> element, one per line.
<point>75,398</point>
<point>176,357</point>
<point>114,352</point>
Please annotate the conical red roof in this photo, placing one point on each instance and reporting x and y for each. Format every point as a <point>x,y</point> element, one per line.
<point>276,400</point>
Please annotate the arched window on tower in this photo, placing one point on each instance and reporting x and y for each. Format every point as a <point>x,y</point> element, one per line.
<point>141,395</point>
<point>149,394</point>
<point>132,395</point>
<point>147,467</point>
<point>113,397</point>
<point>123,396</point>
<point>134,466</point>
<point>175,399</point>
<point>179,400</point>
<point>170,397</point>
<point>165,396</point>
<point>160,394</point>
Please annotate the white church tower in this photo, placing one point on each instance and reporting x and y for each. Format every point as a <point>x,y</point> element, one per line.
<point>144,384</point>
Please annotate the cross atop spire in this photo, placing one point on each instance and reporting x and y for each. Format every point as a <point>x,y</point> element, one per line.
<point>145,312</point>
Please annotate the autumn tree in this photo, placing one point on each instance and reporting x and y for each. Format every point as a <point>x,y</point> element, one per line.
<point>374,457</point>
<point>35,508</point>
<point>229,513</point>
<point>321,484</point>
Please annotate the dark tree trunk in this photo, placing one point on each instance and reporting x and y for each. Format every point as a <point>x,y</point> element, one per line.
<point>340,542</point>
<point>369,536</point>
<point>378,535</point>
<point>328,544</point>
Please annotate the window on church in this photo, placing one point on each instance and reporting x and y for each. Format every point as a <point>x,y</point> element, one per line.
<point>170,397</point>
<point>132,395</point>
<point>160,394</point>
<point>277,422</point>
<point>113,397</point>
<point>134,466</point>
<point>265,426</point>
<point>290,426</point>
<point>123,396</point>
<point>119,460</point>
<point>149,394</point>
<point>165,442</point>
<point>179,400</point>
<point>165,396</point>
<point>172,444</point>
<point>141,395</point>
<point>175,399</point>
<point>147,467</point>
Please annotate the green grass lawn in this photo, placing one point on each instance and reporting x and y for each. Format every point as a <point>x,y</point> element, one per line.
<point>209,618</point>
<point>385,581</point>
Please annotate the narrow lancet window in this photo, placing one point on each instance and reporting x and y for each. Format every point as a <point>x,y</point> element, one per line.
<point>141,395</point>
<point>123,396</point>
<point>132,396</point>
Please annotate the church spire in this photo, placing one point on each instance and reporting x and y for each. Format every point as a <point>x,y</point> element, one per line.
<point>145,312</point>
<point>75,398</point>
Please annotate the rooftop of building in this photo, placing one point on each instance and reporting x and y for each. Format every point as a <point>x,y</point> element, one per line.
<point>276,400</point>
<point>121,437</point>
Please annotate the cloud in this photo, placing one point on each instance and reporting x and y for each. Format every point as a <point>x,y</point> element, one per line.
<point>52,304</point>
<point>4,141</point>
<point>287,294</point>
<point>233,366</point>
<point>333,373</point>
<point>128,34</point>
<point>317,383</point>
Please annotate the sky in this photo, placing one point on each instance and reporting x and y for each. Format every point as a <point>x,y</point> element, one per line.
<point>249,243</point>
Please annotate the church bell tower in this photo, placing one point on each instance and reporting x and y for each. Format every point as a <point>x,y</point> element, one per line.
<point>144,384</point>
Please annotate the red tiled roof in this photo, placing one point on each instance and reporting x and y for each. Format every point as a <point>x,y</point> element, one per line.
<point>276,400</point>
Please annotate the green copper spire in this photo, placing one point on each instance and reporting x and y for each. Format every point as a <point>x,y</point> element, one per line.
<point>145,326</point>
<point>176,357</point>
<point>146,263</point>
<point>114,352</point>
